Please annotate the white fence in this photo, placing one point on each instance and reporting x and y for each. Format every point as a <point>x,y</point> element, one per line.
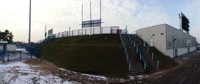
<point>89,31</point>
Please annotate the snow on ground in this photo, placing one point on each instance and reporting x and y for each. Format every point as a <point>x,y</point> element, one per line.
<point>37,71</point>
<point>21,73</point>
<point>15,71</point>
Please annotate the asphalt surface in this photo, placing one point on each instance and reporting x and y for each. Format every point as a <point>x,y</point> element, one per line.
<point>186,72</point>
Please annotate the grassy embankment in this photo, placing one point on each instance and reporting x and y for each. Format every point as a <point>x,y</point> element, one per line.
<point>96,54</point>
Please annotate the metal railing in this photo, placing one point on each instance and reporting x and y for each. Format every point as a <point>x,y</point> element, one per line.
<point>89,31</point>
<point>153,56</point>
<point>125,51</point>
<point>85,31</point>
<point>138,51</point>
<point>11,56</point>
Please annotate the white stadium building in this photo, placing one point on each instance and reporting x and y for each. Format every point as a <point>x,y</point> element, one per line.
<point>169,40</point>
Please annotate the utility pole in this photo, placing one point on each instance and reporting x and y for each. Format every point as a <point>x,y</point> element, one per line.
<point>29,39</point>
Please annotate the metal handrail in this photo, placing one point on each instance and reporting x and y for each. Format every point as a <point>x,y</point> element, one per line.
<point>154,57</point>
<point>138,51</point>
<point>125,51</point>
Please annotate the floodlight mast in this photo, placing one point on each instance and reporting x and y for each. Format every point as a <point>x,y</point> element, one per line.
<point>180,17</point>
<point>100,18</point>
<point>90,19</point>
<point>29,39</point>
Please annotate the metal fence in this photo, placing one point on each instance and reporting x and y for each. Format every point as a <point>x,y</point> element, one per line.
<point>153,56</point>
<point>17,55</point>
<point>89,31</point>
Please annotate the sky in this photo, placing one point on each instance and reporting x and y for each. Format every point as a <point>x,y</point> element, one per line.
<point>62,14</point>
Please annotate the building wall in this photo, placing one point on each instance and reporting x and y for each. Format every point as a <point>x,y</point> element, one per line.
<point>182,38</point>
<point>163,36</point>
<point>157,33</point>
<point>184,42</point>
<point>180,51</point>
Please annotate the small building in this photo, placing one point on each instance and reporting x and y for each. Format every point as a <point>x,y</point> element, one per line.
<point>169,40</point>
<point>9,47</point>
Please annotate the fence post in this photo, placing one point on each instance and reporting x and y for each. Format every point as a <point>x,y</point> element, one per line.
<point>20,53</point>
<point>78,32</point>
<point>102,30</point>
<point>85,31</point>
<point>93,31</point>
<point>72,32</point>
<point>3,57</point>
<point>8,57</point>
<point>31,55</point>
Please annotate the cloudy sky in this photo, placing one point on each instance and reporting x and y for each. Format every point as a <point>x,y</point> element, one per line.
<point>62,14</point>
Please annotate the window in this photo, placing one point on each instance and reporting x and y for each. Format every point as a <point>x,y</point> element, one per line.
<point>161,33</point>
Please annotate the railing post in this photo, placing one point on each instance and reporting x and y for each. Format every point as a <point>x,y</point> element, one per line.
<point>78,32</point>
<point>134,44</point>
<point>140,56</point>
<point>129,66</point>
<point>145,66</point>
<point>158,63</point>
<point>72,32</point>
<point>152,56</point>
<point>136,49</point>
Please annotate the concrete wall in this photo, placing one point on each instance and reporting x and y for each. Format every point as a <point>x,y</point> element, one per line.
<point>157,33</point>
<point>180,51</point>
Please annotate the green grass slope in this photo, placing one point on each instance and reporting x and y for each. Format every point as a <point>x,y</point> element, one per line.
<point>165,60</point>
<point>96,54</point>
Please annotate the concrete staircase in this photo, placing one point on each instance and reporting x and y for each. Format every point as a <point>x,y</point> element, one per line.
<point>136,65</point>
<point>152,62</point>
<point>141,59</point>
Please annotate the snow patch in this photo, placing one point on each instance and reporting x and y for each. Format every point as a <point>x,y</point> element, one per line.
<point>21,73</point>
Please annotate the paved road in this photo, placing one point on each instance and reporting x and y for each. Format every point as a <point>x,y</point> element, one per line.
<point>188,72</point>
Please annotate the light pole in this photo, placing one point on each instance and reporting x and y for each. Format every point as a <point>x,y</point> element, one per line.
<point>29,39</point>
<point>173,50</point>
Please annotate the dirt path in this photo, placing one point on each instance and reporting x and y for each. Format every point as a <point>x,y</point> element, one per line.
<point>188,72</point>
